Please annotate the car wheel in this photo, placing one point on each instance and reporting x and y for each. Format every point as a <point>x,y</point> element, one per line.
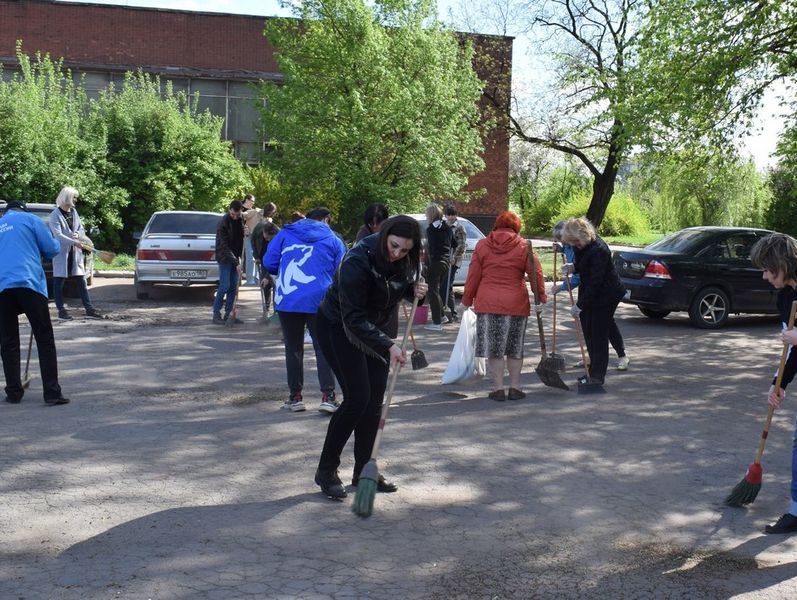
<point>142,290</point>
<point>654,314</point>
<point>710,308</point>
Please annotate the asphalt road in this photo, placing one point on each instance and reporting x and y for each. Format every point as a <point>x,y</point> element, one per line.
<point>173,474</point>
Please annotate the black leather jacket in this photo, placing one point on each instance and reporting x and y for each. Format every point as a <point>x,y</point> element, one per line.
<point>229,240</point>
<point>364,295</point>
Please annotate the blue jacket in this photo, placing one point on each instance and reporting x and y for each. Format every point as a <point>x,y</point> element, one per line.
<point>304,256</point>
<point>24,239</point>
<point>570,256</point>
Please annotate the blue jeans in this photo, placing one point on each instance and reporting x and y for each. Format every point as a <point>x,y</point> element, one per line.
<point>228,285</point>
<point>58,291</point>
<point>250,265</point>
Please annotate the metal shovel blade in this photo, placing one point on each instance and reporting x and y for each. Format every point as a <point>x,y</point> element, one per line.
<point>550,377</point>
<point>418,360</point>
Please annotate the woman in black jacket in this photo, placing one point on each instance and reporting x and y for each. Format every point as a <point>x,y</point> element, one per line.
<point>356,333</point>
<point>438,254</point>
<point>599,293</point>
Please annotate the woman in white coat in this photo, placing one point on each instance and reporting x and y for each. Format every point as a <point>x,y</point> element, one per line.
<point>68,264</point>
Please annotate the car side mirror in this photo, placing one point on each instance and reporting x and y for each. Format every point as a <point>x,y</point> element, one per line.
<point>136,235</point>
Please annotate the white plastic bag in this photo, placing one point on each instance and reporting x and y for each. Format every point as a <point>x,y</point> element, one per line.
<point>463,364</point>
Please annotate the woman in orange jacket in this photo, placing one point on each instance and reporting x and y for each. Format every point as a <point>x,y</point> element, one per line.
<point>496,288</point>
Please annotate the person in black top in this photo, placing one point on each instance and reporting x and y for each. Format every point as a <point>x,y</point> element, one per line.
<point>229,249</point>
<point>356,333</point>
<point>439,241</point>
<point>374,215</point>
<point>776,254</point>
<point>599,293</point>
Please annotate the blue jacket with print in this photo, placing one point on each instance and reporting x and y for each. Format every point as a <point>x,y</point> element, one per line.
<point>24,239</point>
<point>304,256</point>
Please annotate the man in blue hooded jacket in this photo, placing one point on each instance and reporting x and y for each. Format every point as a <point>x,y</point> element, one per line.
<point>304,256</point>
<point>24,239</point>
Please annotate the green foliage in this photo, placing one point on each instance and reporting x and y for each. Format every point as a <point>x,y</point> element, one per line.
<point>699,187</point>
<point>46,143</point>
<point>166,154</point>
<point>709,62</point>
<point>555,191</point>
<point>624,217</point>
<point>369,114</point>
<point>121,262</point>
<point>782,183</point>
<point>128,154</point>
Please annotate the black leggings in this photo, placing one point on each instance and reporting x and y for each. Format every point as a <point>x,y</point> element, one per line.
<point>363,379</point>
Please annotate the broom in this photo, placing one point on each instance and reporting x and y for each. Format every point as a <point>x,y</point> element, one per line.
<point>557,360</point>
<point>747,489</point>
<point>363,504</point>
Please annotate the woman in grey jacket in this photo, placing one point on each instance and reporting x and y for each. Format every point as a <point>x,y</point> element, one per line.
<point>68,264</point>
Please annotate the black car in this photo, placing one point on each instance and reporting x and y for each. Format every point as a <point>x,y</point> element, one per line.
<point>703,270</point>
<point>43,211</point>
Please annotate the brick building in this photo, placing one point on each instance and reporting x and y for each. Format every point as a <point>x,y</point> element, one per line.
<point>217,55</point>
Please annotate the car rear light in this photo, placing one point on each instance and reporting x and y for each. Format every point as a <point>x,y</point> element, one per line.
<point>207,255</point>
<point>657,270</point>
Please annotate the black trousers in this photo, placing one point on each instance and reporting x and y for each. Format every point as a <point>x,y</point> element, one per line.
<point>597,322</point>
<point>615,337</point>
<point>293,324</point>
<point>436,275</point>
<point>363,379</point>
<point>13,302</point>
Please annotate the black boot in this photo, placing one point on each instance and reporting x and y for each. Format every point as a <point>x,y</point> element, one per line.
<point>330,484</point>
<point>382,485</point>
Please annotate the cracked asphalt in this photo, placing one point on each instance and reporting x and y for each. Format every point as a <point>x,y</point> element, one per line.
<point>174,475</point>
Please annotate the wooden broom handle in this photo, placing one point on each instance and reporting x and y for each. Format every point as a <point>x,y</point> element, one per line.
<point>412,337</point>
<point>392,386</point>
<point>579,335</point>
<point>783,354</point>
<point>535,291</point>
<point>553,340</point>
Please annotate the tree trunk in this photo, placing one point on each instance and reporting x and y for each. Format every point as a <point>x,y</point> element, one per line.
<point>603,187</point>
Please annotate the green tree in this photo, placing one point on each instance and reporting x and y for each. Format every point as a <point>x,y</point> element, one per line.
<point>165,154</point>
<point>378,103</point>
<point>46,143</point>
<point>709,62</point>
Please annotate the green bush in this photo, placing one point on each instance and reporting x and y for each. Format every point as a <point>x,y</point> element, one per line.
<point>623,217</point>
<point>559,189</point>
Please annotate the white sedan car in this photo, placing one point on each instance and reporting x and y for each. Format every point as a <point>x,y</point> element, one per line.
<point>177,247</point>
<point>473,236</point>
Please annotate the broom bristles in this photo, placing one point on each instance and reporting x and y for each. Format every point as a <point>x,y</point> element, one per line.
<point>363,504</point>
<point>747,489</point>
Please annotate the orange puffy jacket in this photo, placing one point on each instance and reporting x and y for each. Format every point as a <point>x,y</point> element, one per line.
<point>496,277</point>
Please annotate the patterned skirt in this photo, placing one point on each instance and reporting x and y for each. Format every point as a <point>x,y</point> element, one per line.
<point>500,335</point>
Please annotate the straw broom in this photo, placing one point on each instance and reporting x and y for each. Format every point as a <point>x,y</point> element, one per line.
<point>747,489</point>
<point>363,504</point>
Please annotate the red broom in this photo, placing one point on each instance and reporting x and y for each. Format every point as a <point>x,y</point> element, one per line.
<point>747,489</point>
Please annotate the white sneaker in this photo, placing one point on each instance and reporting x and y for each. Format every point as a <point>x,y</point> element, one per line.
<point>622,365</point>
<point>434,327</point>
<point>328,403</point>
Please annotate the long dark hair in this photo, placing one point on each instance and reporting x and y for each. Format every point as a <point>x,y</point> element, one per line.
<point>404,227</point>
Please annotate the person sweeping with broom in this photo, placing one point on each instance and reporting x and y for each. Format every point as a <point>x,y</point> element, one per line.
<point>356,333</point>
<point>777,256</point>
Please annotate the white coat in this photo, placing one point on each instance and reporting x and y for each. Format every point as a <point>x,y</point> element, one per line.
<point>66,238</point>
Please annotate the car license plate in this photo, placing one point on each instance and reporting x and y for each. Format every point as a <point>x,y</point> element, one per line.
<point>188,274</point>
<point>627,295</point>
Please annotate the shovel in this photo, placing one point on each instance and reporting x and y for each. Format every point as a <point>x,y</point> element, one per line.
<point>557,361</point>
<point>417,358</point>
<point>28,378</point>
<point>548,375</point>
<point>587,386</point>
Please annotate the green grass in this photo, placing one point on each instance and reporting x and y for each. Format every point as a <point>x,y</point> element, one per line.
<point>122,262</point>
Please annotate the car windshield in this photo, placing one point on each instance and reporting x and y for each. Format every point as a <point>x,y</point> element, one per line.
<point>198,223</point>
<point>681,242</point>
